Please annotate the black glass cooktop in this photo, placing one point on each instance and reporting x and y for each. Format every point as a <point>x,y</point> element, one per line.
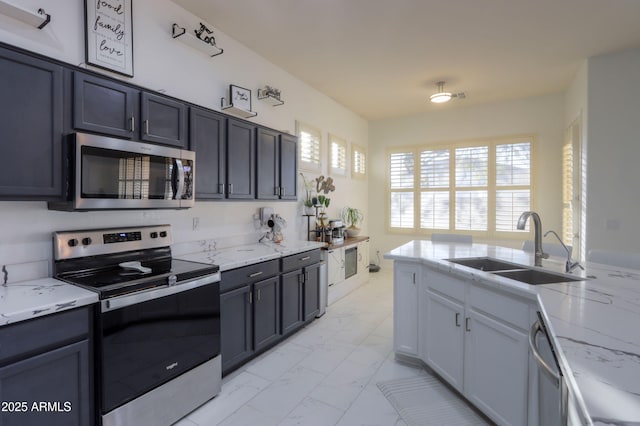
<point>115,280</point>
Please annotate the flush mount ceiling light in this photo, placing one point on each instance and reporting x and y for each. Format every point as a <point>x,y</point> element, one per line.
<point>441,96</point>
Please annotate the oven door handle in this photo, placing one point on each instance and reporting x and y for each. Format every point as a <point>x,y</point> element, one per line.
<point>155,293</point>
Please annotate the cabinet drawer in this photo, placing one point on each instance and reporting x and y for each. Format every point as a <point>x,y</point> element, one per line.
<point>239,277</point>
<point>502,306</point>
<point>300,260</point>
<point>445,284</point>
<point>32,336</point>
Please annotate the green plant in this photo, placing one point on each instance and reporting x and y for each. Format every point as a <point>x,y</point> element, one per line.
<point>352,216</point>
<point>308,188</point>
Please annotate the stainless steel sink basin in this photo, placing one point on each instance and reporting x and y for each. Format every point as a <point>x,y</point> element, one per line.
<point>535,277</point>
<point>514,271</point>
<point>487,264</point>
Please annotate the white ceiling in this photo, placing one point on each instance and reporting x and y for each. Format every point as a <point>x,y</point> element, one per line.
<point>382,58</point>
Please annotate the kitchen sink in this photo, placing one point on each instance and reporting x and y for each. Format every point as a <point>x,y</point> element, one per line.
<point>514,271</point>
<point>487,264</point>
<point>535,277</point>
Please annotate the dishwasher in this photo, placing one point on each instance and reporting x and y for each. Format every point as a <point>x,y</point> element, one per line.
<point>552,387</point>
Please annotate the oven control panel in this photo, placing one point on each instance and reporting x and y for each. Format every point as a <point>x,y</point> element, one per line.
<point>92,242</point>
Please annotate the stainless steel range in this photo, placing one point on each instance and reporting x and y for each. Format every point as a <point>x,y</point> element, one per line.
<point>157,331</point>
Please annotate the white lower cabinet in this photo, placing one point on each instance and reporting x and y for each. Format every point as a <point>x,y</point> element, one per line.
<point>335,265</point>
<point>496,369</point>
<point>363,261</point>
<point>444,337</point>
<point>406,277</point>
<point>475,338</point>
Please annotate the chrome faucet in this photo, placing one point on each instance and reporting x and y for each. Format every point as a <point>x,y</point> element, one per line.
<point>537,225</point>
<point>569,265</point>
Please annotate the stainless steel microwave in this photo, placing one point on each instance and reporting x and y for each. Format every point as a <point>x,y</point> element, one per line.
<point>106,173</point>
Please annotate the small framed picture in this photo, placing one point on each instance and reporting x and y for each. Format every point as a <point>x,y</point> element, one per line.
<point>109,35</point>
<point>240,97</point>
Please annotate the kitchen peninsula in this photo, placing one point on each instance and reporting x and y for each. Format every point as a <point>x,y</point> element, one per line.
<point>592,324</point>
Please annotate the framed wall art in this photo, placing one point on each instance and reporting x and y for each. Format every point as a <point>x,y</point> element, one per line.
<point>240,97</point>
<point>109,35</point>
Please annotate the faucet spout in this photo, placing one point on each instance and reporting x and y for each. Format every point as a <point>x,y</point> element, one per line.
<point>570,265</point>
<point>537,225</point>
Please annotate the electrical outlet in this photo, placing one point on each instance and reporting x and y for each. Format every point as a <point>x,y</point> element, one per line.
<point>196,223</point>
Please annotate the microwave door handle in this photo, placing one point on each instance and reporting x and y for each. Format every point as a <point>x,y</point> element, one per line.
<point>179,188</point>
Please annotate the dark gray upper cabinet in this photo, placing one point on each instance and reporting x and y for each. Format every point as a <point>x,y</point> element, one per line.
<point>241,159</point>
<point>163,120</point>
<point>104,106</point>
<point>277,165</point>
<point>288,167</point>
<point>31,117</point>
<point>207,138</point>
<point>267,176</point>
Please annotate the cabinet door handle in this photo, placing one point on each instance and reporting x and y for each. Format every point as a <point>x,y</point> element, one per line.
<point>467,324</point>
<point>258,295</point>
<point>457,319</point>
<point>250,297</point>
<point>146,127</point>
<point>302,259</point>
<point>221,188</point>
<point>133,123</point>
<point>256,274</point>
<point>230,191</point>
<point>414,278</point>
<point>282,191</point>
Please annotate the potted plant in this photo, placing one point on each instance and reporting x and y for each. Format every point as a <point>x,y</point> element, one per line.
<point>309,201</point>
<point>352,216</point>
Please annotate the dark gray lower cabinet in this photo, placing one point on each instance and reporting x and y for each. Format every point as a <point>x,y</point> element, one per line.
<point>266,313</point>
<point>249,312</point>
<point>255,315</point>
<point>311,291</point>
<point>46,371</point>
<point>292,296</point>
<point>236,327</point>
<point>50,388</point>
<point>300,297</point>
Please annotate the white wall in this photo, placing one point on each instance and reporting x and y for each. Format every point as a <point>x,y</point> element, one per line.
<point>613,126</point>
<point>576,107</point>
<point>542,116</point>
<point>162,63</point>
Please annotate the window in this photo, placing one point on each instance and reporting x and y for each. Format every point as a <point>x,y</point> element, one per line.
<point>401,185</point>
<point>479,188</point>
<point>309,140</point>
<point>338,155</point>
<point>358,161</point>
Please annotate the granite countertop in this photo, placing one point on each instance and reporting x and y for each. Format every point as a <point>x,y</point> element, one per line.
<point>235,257</point>
<point>31,299</point>
<point>593,323</point>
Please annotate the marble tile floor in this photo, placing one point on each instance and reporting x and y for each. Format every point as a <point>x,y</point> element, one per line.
<point>325,374</point>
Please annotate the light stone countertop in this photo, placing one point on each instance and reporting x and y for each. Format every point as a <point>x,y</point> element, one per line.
<point>31,299</point>
<point>594,323</point>
<point>21,301</point>
<point>236,257</point>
